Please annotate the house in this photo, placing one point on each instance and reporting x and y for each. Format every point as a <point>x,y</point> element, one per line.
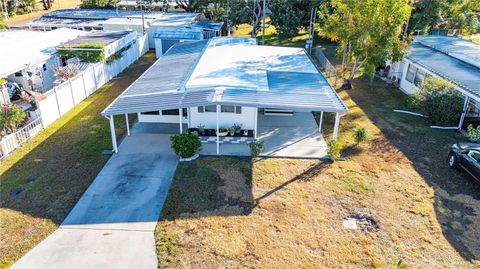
<point>117,20</point>
<point>227,81</point>
<point>28,58</point>
<point>445,57</point>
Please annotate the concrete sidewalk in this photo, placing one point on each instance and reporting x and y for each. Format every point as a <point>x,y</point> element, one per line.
<point>112,225</point>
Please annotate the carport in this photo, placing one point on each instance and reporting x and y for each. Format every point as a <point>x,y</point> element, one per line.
<point>235,72</point>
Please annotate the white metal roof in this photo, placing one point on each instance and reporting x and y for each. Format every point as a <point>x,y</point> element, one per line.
<point>464,50</point>
<point>20,49</point>
<point>192,74</point>
<point>243,65</point>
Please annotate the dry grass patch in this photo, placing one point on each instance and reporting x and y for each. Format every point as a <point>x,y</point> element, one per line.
<point>289,213</point>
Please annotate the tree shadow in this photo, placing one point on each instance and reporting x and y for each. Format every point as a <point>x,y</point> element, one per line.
<point>213,186</point>
<point>210,186</point>
<point>456,196</point>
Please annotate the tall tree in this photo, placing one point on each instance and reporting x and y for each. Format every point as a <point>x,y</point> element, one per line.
<point>369,32</point>
<point>289,16</point>
<point>446,14</point>
<point>237,11</point>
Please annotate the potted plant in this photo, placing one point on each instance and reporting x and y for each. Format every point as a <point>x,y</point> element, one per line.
<point>201,129</point>
<point>237,127</point>
<point>186,146</point>
<point>231,131</point>
<point>222,132</point>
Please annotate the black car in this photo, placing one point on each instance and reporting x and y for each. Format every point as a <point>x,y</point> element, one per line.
<point>466,156</point>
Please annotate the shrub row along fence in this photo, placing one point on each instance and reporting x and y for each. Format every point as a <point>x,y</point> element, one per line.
<point>325,63</point>
<point>12,141</point>
<point>67,95</point>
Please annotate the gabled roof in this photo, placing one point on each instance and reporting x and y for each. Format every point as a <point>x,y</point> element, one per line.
<point>244,74</point>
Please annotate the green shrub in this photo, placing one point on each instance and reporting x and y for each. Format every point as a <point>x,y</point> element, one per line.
<point>334,148</point>
<point>93,53</point>
<point>117,55</point>
<point>11,118</point>
<point>440,100</point>
<point>360,135</point>
<point>473,133</point>
<point>186,145</point>
<point>255,148</point>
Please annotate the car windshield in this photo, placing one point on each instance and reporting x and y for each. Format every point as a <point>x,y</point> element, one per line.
<point>474,155</point>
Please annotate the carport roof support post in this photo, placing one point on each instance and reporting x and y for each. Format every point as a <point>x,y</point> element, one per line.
<point>114,136</point>
<point>337,123</point>
<point>464,112</point>
<point>180,112</point>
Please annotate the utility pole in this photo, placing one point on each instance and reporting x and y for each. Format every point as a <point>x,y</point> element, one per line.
<point>263,22</point>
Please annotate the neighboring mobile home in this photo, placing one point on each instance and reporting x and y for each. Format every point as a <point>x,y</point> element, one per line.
<point>115,20</point>
<point>227,81</point>
<point>450,58</point>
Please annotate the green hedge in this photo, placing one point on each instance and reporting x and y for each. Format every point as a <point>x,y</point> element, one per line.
<point>89,56</point>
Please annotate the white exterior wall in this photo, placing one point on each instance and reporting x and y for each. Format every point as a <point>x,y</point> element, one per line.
<point>247,118</point>
<point>407,86</point>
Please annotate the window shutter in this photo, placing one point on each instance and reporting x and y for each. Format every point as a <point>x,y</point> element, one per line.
<point>238,110</point>
<point>200,109</point>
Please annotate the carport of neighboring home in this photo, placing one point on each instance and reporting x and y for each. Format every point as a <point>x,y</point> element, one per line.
<point>226,81</point>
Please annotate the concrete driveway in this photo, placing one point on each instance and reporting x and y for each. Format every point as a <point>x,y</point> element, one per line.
<point>293,136</point>
<point>112,225</point>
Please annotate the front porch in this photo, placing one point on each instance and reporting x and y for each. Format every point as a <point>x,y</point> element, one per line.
<point>295,136</point>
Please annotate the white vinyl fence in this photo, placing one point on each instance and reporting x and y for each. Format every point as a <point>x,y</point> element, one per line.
<point>67,95</point>
<point>12,141</point>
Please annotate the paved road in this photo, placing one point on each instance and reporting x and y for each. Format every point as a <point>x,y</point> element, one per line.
<point>112,225</point>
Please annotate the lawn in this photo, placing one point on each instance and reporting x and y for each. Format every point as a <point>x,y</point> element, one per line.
<point>285,213</point>
<point>23,20</point>
<point>42,181</point>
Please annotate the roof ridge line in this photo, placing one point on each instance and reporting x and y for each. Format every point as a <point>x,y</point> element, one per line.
<point>193,66</point>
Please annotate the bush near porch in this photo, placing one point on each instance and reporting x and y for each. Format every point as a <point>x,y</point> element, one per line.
<point>278,213</point>
<point>41,181</point>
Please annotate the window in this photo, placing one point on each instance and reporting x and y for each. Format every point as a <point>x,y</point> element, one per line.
<point>150,113</point>
<point>411,73</point>
<point>223,109</point>
<point>44,67</point>
<point>474,155</point>
<point>419,77</point>
<point>170,112</point>
<point>228,109</point>
<point>18,74</point>
<point>210,108</point>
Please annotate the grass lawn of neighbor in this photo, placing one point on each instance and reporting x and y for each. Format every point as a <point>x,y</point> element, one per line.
<point>41,181</point>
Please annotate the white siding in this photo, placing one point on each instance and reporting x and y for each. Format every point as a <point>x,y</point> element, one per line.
<point>407,86</point>
<point>247,118</point>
